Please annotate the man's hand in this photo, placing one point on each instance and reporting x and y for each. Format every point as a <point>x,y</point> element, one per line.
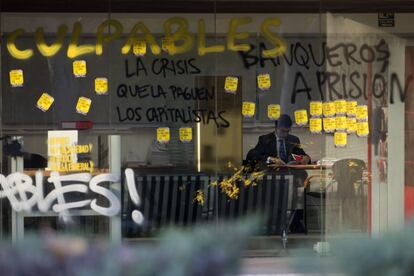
<point>275,162</point>
<point>302,160</point>
<point>305,160</point>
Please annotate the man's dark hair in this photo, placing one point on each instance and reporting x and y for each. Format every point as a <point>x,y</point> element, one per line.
<point>284,121</point>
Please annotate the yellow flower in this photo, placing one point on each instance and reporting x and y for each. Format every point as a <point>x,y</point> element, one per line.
<point>247,182</point>
<point>199,198</point>
<point>257,175</point>
<point>234,193</point>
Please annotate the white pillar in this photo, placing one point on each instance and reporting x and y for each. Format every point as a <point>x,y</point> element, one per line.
<point>114,142</point>
<point>17,227</point>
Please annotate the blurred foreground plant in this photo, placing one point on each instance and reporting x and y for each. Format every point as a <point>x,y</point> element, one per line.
<point>207,250</point>
<point>391,254</point>
<point>360,255</point>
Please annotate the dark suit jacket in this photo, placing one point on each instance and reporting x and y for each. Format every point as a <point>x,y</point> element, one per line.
<point>267,147</point>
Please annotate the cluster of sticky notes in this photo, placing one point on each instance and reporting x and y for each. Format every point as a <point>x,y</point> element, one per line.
<point>186,134</point>
<point>101,86</point>
<point>273,111</point>
<point>301,117</point>
<point>79,68</point>
<point>230,84</point>
<point>140,48</point>
<point>16,78</point>
<point>263,81</point>
<point>83,105</point>
<point>163,134</point>
<point>45,102</point>
<point>340,116</point>
<point>248,109</point>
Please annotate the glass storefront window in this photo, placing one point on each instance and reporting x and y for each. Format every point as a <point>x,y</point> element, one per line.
<point>150,120</point>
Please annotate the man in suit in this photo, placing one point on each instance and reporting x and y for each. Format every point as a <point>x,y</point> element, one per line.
<point>278,148</point>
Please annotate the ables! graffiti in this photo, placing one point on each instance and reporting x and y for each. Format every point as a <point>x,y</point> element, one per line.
<point>24,194</point>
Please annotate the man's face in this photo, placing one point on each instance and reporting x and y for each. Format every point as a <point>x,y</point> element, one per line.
<point>282,132</point>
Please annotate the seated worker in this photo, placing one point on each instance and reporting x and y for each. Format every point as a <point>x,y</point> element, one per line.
<point>278,148</point>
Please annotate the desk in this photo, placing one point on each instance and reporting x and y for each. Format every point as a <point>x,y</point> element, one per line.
<point>308,167</point>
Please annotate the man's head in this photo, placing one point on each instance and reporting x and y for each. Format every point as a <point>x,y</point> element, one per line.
<point>283,125</point>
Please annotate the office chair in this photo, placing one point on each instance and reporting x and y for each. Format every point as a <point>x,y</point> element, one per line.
<point>347,174</point>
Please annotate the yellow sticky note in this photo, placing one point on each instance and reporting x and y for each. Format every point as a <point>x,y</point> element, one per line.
<point>340,139</point>
<point>163,134</point>
<point>101,86</point>
<point>83,105</point>
<point>329,125</point>
<point>79,68</point>
<point>351,125</point>
<point>340,123</point>
<point>166,44</point>
<point>45,102</point>
<point>140,48</point>
<point>315,109</point>
<point>362,129</point>
<point>230,85</point>
<point>301,117</point>
<point>263,81</point>
<point>186,134</point>
<point>273,111</point>
<point>315,125</point>
<point>16,78</point>
<point>248,109</point>
<point>328,109</point>
<point>362,113</point>
<point>351,108</point>
<point>340,107</point>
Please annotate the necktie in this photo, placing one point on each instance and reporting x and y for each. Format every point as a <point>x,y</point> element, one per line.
<point>282,150</point>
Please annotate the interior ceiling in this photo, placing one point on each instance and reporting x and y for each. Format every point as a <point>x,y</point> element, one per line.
<point>206,6</point>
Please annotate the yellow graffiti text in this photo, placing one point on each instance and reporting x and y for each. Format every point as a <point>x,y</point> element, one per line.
<point>177,38</point>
